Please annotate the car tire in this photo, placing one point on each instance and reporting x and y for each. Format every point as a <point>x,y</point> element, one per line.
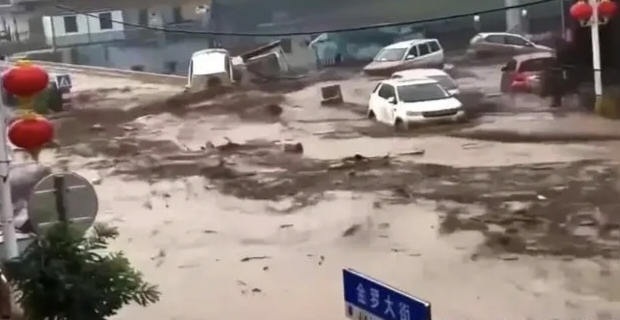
<point>400,125</point>
<point>371,115</point>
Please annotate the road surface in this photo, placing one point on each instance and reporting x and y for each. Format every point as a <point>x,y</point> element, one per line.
<point>212,208</point>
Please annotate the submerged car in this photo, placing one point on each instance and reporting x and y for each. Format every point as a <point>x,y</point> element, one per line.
<point>210,68</point>
<point>418,53</point>
<point>497,44</point>
<point>403,102</point>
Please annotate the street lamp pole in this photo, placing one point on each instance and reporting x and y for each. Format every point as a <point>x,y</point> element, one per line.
<point>563,17</point>
<point>596,51</point>
<point>593,14</point>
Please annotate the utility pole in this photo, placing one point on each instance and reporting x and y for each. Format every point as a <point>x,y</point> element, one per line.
<point>53,31</point>
<point>513,16</point>
<point>596,52</point>
<point>9,234</point>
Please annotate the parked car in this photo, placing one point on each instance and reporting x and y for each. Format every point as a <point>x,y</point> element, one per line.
<point>522,73</point>
<point>403,102</point>
<point>439,75</point>
<point>493,44</point>
<point>418,53</point>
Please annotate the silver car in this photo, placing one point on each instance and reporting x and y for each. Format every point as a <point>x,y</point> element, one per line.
<point>496,44</point>
<point>404,55</point>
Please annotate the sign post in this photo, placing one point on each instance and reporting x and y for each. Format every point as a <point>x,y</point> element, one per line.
<point>62,198</point>
<point>366,298</point>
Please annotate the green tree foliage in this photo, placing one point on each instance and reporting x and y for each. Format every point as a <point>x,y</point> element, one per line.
<point>66,276</point>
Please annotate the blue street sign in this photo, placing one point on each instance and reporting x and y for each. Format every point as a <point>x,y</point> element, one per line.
<point>63,81</point>
<point>368,299</point>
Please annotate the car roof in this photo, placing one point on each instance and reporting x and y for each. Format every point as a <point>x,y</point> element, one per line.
<point>530,56</point>
<point>408,43</point>
<point>422,72</point>
<point>209,51</point>
<point>485,34</point>
<point>403,82</point>
<point>209,62</point>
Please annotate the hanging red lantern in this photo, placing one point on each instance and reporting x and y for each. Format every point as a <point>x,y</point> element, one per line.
<point>581,11</point>
<point>25,79</point>
<point>31,133</point>
<point>607,9</point>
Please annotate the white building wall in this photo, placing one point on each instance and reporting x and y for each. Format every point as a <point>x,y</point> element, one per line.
<point>301,55</point>
<point>88,29</point>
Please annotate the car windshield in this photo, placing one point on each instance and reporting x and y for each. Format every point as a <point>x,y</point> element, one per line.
<point>395,54</point>
<point>445,81</point>
<point>421,92</point>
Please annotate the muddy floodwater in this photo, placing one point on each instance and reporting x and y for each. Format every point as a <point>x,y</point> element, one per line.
<point>250,203</point>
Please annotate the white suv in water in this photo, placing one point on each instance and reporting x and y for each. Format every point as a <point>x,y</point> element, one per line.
<point>402,102</point>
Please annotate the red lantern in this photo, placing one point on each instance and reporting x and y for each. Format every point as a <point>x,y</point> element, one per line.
<point>607,9</point>
<point>581,11</point>
<point>31,133</point>
<point>25,79</point>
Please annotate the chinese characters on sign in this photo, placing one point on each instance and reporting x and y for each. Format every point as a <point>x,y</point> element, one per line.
<point>382,305</point>
<point>369,299</point>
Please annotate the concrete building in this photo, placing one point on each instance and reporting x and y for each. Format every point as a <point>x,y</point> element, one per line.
<point>75,29</point>
<point>126,47</point>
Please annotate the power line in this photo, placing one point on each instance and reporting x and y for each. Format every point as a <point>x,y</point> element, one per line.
<point>285,34</point>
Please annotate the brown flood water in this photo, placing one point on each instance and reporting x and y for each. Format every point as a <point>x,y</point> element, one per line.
<point>238,227</point>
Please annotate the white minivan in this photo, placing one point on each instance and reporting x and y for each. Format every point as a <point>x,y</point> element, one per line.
<point>418,53</point>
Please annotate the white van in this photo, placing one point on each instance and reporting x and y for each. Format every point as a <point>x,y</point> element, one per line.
<point>210,67</point>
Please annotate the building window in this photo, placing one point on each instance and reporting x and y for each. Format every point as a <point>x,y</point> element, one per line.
<point>177,16</point>
<point>70,24</point>
<point>105,21</point>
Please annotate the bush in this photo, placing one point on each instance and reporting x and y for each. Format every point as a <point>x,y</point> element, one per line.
<point>42,103</point>
<point>66,276</point>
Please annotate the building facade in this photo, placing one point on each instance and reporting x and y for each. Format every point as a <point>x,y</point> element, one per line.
<point>76,29</point>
